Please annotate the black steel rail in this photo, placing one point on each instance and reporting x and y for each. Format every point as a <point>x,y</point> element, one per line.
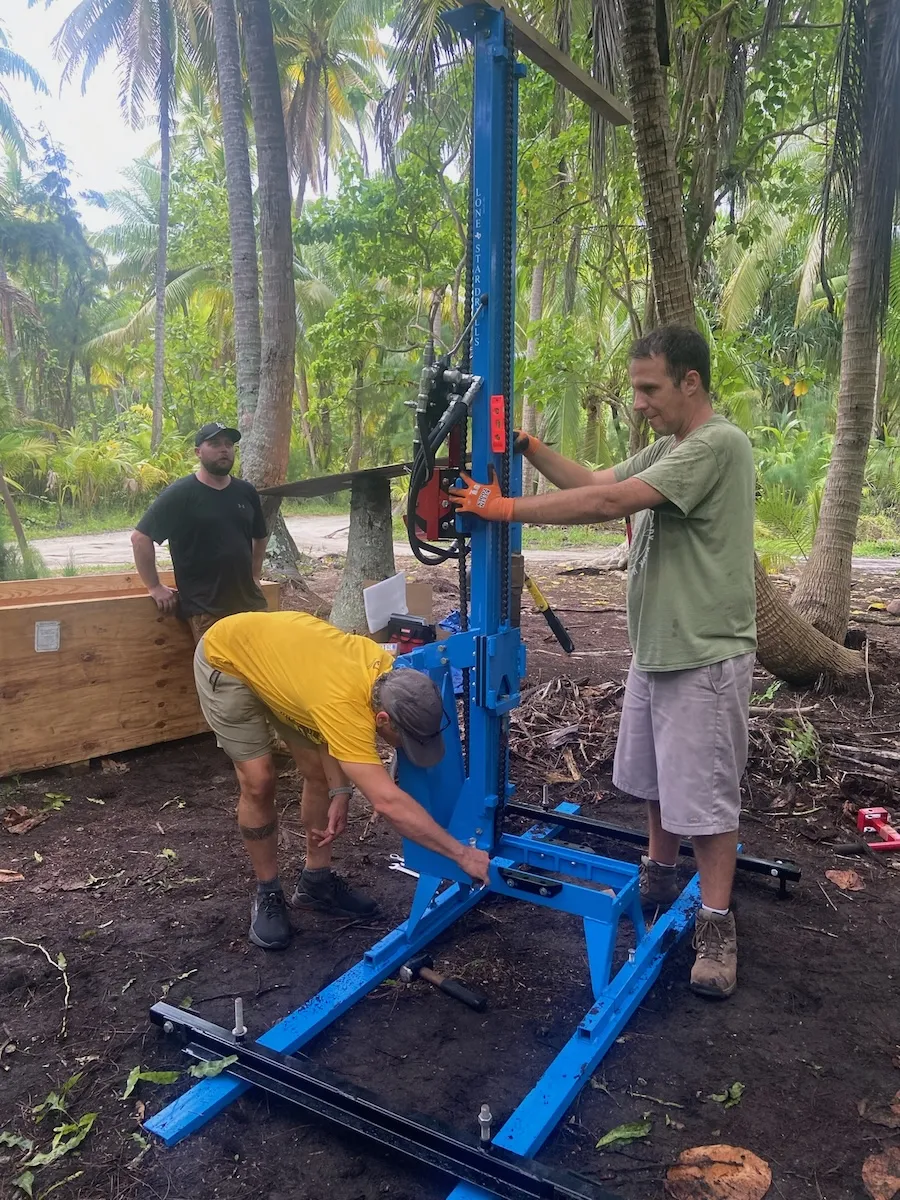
<point>497,1170</point>
<point>781,869</point>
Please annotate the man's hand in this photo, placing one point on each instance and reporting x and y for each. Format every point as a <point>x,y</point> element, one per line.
<point>337,821</point>
<point>525,443</point>
<point>483,500</point>
<point>166,599</point>
<point>475,863</point>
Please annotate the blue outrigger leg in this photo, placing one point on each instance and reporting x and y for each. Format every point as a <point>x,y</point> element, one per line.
<point>531,869</point>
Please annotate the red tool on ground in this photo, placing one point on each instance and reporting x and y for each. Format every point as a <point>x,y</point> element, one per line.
<point>878,820</point>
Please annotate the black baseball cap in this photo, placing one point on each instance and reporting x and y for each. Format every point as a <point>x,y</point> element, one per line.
<point>412,700</point>
<point>212,428</point>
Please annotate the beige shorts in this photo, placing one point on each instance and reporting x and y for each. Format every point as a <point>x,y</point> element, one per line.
<point>241,722</point>
<point>683,743</point>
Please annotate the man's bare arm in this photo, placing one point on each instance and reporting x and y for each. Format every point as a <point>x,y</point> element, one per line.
<point>259,553</point>
<point>411,820</point>
<point>585,505</point>
<point>564,472</point>
<point>145,561</point>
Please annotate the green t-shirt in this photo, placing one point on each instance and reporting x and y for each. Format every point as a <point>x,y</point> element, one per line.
<point>691,590</point>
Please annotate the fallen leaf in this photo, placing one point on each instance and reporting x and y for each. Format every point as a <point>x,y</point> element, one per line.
<point>623,1135</point>
<point>38,858</point>
<point>20,819</point>
<point>10,876</point>
<point>847,881</point>
<point>109,765</point>
<point>139,1111</point>
<point>731,1096</point>
<point>211,1068</point>
<point>718,1173</point>
<point>881,1174</point>
<point>94,800</point>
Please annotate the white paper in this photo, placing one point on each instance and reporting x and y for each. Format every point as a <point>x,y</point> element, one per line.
<point>46,636</point>
<point>383,599</point>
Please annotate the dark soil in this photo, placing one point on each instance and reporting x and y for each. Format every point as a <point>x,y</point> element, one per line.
<point>146,895</point>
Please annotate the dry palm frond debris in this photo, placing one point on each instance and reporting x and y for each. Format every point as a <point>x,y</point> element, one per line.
<point>563,728</point>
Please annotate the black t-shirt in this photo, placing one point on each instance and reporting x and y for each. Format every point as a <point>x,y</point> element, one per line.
<point>210,534</point>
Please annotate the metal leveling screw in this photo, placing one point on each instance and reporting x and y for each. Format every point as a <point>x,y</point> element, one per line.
<point>484,1123</point>
<point>240,1029</point>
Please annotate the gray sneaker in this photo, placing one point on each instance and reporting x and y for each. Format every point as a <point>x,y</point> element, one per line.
<point>269,925</point>
<point>658,885</point>
<point>332,895</point>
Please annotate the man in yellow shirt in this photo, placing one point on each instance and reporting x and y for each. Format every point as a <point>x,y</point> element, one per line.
<point>329,695</point>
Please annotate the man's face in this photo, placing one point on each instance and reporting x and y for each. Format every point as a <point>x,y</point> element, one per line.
<point>216,454</point>
<point>667,406</point>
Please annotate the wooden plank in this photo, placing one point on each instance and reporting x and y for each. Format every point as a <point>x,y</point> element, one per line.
<point>325,485</point>
<point>122,678</point>
<point>549,58</point>
<point>76,587</point>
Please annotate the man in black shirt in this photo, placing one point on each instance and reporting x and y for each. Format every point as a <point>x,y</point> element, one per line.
<point>216,532</point>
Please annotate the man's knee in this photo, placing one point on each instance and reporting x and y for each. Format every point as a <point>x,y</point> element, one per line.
<point>309,764</point>
<point>257,779</point>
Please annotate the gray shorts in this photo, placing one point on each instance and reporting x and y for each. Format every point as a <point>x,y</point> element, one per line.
<point>683,743</point>
<point>243,726</point>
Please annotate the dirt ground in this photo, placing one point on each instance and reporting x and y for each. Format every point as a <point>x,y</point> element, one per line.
<point>138,880</point>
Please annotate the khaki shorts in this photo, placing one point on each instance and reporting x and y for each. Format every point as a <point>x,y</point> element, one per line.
<point>683,743</point>
<point>241,722</point>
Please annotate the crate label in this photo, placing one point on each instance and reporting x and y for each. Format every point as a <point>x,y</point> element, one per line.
<point>46,636</point>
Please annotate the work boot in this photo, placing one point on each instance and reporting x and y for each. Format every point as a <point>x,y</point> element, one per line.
<point>269,925</point>
<point>658,884</point>
<point>325,891</point>
<point>715,967</point>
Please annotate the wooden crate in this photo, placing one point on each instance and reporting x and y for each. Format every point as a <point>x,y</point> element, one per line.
<point>121,677</point>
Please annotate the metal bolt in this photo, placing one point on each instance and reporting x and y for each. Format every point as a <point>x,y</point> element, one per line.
<point>543,891</point>
<point>168,1027</point>
<point>485,1119</point>
<point>240,1029</point>
<point>631,955</point>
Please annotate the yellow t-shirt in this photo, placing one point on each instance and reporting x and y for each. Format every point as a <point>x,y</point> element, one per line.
<point>311,675</point>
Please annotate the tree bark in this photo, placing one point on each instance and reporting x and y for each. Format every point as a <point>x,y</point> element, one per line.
<point>165,160</point>
<point>10,342</point>
<point>657,170</point>
<point>790,648</point>
<point>529,408</point>
<point>823,594</point>
<point>370,551</point>
<point>14,520</point>
<point>266,455</point>
<point>244,264</point>
<point>356,421</point>
<point>303,400</point>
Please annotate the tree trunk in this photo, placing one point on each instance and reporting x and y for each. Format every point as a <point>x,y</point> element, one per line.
<point>529,408</point>
<point>244,265</point>
<point>165,160</point>
<point>788,646</point>
<point>370,551</point>
<point>10,342</point>
<point>823,594</point>
<point>355,421</point>
<point>6,496</point>
<point>879,424</point>
<point>303,400</point>
<point>657,169</point>
<point>266,456</point>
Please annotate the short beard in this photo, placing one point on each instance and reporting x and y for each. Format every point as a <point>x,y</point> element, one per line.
<point>218,469</point>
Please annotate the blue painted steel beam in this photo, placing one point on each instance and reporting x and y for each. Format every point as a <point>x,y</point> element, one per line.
<point>545,1105</point>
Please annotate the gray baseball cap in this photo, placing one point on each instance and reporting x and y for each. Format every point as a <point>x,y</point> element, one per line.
<point>413,702</point>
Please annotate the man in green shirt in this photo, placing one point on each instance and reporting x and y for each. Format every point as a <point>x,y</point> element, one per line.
<point>682,743</point>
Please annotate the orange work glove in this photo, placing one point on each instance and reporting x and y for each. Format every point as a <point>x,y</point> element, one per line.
<point>525,443</point>
<point>483,500</point>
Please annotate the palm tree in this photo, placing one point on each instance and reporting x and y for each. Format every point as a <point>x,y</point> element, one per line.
<point>146,35</point>
<point>13,66</point>
<point>328,50</point>
<point>242,232</point>
<point>867,151</point>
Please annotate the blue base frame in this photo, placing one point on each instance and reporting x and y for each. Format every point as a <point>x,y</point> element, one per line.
<point>616,996</point>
